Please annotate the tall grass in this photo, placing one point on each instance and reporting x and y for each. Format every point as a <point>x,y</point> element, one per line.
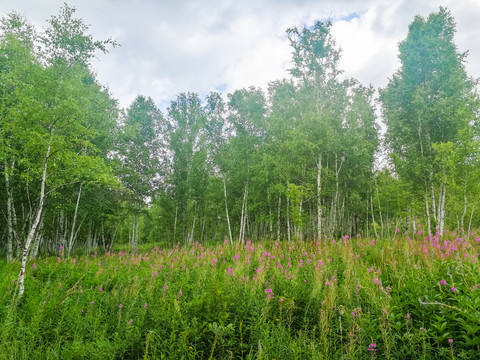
<point>406,297</point>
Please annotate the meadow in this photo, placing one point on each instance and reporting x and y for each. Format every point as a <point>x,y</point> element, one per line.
<point>404,297</point>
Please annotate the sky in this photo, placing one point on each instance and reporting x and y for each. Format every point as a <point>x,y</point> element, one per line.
<point>173,46</point>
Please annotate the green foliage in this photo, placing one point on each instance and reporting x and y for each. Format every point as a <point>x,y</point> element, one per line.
<point>251,300</point>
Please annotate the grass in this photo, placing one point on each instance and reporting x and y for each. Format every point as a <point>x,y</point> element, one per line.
<point>400,298</point>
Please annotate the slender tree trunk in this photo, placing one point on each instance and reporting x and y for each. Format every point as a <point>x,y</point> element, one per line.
<point>373,215</point>
<point>226,211</point>
<point>33,227</point>
<point>427,210</point>
<point>439,205</point>
<point>190,237</point>
<point>379,207</point>
<point>278,216</point>
<point>462,225</point>
<point>175,224</point>
<point>319,199</point>
<point>432,190</point>
<point>470,222</point>
<point>288,216</point>
<point>74,222</point>
<point>442,213</point>
<point>243,218</point>
<point>11,216</point>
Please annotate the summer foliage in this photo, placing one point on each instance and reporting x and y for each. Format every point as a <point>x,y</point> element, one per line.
<point>267,178</point>
<point>407,297</point>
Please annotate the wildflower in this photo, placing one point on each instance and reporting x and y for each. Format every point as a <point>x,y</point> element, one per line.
<point>145,306</point>
<point>372,347</point>
<point>281,300</point>
<point>74,261</point>
<point>130,322</point>
<point>58,259</point>
<point>34,266</point>
<point>269,293</point>
<point>101,289</point>
<point>120,306</point>
<point>450,341</point>
<point>443,282</point>
<point>453,289</point>
<point>165,287</point>
<point>92,302</point>
<point>407,316</point>
<point>180,293</point>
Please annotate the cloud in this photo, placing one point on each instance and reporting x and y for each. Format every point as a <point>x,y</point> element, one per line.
<point>172,46</point>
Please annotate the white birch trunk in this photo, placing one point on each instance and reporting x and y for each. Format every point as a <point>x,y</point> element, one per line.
<point>278,216</point>
<point>373,215</point>
<point>427,210</point>
<point>462,223</point>
<point>288,219</point>
<point>33,227</point>
<point>319,199</point>
<point>442,213</point>
<point>11,216</point>
<point>226,212</point>
<point>74,222</point>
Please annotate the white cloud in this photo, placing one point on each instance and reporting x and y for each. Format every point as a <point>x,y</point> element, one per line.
<point>171,46</point>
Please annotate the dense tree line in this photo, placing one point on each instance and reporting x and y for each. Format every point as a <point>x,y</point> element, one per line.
<point>297,161</point>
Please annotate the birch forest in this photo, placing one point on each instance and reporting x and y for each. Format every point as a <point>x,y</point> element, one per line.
<point>316,155</point>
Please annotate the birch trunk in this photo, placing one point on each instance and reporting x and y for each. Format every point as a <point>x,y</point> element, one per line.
<point>462,223</point>
<point>288,219</point>
<point>379,207</point>
<point>319,199</point>
<point>442,212</point>
<point>226,211</point>
<point>373,216</point>
<point>33,227</point>
<point>427,210</point>
<point>11,216</point>
<point>432,190</point>
<point>278,216</point>
<point>470,222</point>
<point>73,232</point>
<point>243,219</point>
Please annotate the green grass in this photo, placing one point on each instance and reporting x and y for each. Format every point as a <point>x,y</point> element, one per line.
<point>298,300</point>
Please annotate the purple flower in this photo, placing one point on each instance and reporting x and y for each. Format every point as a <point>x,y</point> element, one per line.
<point>450,341</point>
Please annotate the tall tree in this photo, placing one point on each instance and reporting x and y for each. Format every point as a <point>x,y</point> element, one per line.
<point>49,116</point>
<point>139,151</point>
<point>429,100</point>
